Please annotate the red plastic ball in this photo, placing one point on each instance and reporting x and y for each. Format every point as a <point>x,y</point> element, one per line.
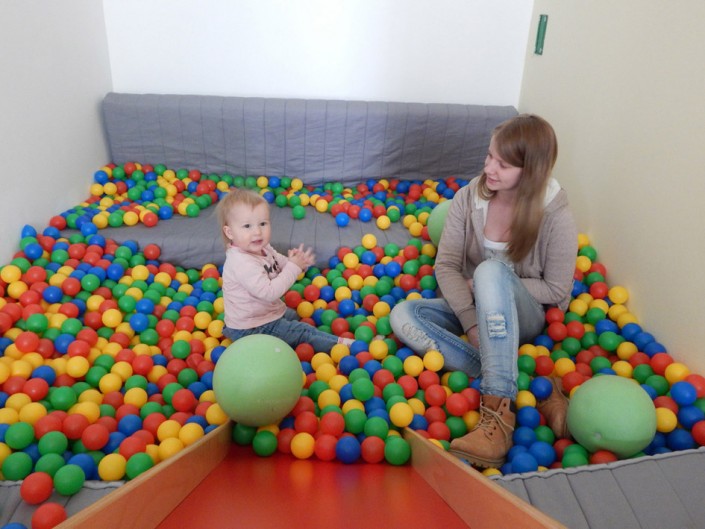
<point>457,404</point>
<point>660,361</point>
<point>95,436</point>
<point>557,331</point>
<point>332,423</point>
<point>435,395</point>
<point>306,421</point>
<point>698,432</point>
<point>324,447</point>
<point>48,515</point>
<point>372,449</point>
<point>554,314</point>
<point>439,430</point>
<point>36,488</point>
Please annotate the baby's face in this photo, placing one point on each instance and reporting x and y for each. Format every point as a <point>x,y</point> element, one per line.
<point>248,228</point>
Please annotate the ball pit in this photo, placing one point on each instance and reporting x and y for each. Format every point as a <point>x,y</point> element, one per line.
<point>109,355</point>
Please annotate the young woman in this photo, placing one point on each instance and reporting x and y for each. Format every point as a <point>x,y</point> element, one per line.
<point>507,253</point>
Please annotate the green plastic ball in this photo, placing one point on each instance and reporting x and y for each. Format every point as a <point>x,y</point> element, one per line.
<point>436,221</point>
<point>264,443</point>
<point>258,380</point>
<point>612,413</point>
<point>69,479</point>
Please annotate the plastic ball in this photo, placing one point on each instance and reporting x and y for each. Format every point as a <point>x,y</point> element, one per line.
<point>612,413</point>
<point>348,450</point>
<point>257,380</point>
<point>436,221</point>
<point>48,515</point>
<point>36,488</point>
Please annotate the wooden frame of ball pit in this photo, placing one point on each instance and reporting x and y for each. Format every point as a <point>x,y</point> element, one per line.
<point>145,501</point>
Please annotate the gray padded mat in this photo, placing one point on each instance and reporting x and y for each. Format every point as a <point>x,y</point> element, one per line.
<point>315,140</point>
<point>14,509</point>
<point>653,492</point>
<point>194,242</point>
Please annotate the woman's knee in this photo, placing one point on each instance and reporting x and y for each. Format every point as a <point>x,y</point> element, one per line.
<point>489,271</point>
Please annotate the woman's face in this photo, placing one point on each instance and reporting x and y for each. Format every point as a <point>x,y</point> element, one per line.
<point>501,176</point>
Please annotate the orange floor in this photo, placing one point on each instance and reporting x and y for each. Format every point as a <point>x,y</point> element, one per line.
<point>246,490</point>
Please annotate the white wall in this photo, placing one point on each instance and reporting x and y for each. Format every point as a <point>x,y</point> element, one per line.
<point>54,70</point>
<point>452,51</point>
<point>623,84</point>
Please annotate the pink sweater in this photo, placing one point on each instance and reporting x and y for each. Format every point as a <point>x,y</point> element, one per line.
<point>254,285</point>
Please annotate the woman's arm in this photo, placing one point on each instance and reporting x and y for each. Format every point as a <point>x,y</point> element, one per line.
<point>450,260</point>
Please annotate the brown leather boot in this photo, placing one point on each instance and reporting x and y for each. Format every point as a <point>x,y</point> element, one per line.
<point>488,443</point>
<point>555,409</point>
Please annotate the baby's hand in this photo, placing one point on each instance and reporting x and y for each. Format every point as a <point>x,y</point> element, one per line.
<point>302,258</point>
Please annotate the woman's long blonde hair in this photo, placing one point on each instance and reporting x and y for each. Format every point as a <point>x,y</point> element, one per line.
<point>529,142</point>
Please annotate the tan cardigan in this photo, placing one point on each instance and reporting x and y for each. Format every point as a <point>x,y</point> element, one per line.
<point>547,271</point>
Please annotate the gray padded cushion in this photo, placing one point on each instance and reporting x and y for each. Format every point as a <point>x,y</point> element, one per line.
<point>14,509</point>
<point>315,140</point>
<point>652,492</point>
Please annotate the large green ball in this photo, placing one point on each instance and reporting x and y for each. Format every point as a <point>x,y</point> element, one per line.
<point>612,413</point>
<point>258,380</point>
<point>436,221</point>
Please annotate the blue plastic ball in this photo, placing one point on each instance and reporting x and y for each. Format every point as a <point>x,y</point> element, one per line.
<point>541,387</point>
<point>524,462</point>
<point>528,416</point>
<point>523,435</point>
<point>684,393</point>
<point>348,450</point>
<point>342,219</point>
<point>544,453</point>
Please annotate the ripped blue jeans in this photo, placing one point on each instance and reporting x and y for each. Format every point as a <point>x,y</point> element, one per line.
<point>507,315</point>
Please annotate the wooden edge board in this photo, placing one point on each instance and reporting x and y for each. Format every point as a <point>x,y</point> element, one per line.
<point>146,500</point>
<point>477,500</point>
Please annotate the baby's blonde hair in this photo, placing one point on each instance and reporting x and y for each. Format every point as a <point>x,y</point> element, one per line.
<point>236,197</point>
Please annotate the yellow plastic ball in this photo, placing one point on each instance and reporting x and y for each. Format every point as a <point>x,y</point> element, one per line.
<point>583,263</point>
<point>433,360</point>
<point>676,372</point>
<point>216,415</point>
<point>170,447</point>
<point>471,418</point>
<point>383,222</point>
<point>618,294</point>
<point>10,273</point>
<point>77,366</point>
<point>32,412</point>
<point>666,420</point>
<point>413,365</point>
<point>563,366</point>
<point>379,349</point>
<point>525,398</point>
<point>626,350</point>
<point>112,318</point>
<point>136,396</point>
<point>583,240</point>
<point>528,349</point>
<point>304,309</point>
<point>325,372</point>
<point>351,260</point>
<point>190,433</point>
<point>415,229</point>
<point>401,414</point>
<point>578,306</point>
<point>342,293</point>
<point>328,397</point>
<point>623,368</point>
<point>368,241</point>
<point>355,282</point>
<point>302,445</point>
<point>112,467</point>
